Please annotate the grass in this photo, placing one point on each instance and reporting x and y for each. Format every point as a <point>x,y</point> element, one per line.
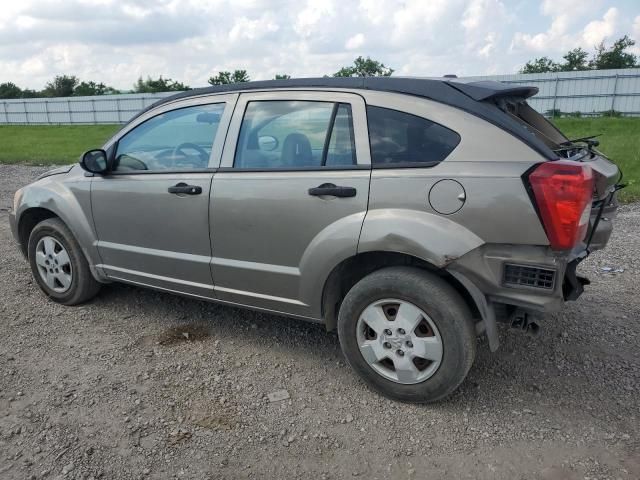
<point>620,141</point>
<point>50,144</point>
<point>63,144</point>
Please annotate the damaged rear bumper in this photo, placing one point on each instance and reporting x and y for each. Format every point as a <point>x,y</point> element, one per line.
<point>503,278</point>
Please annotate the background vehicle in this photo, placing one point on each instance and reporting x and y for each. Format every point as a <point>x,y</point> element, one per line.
<point>410,214</point>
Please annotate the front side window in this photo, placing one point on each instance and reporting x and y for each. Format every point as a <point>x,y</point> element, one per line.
<point>295,134</point>
<point>180,139</point>
<point>399,138</point>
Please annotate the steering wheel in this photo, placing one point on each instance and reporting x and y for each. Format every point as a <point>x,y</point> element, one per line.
<point>179,150</point>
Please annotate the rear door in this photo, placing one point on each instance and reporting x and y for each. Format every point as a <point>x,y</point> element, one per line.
<point>289,199</point>
<point>151,211</point>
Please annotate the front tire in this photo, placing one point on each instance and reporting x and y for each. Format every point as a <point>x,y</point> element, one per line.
<point>408,334</point>
<point>58,264</point>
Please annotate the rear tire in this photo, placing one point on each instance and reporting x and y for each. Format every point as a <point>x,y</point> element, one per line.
<point>423,362</point>
<point>58,265</point>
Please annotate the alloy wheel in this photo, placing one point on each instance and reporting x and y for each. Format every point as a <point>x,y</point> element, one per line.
<point>399,341</point>
<point>54,264</point>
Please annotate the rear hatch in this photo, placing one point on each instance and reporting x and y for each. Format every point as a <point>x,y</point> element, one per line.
<point>583,150</point>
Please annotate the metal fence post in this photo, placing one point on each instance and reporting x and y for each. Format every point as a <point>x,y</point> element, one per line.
<point>613,95</point>
<point>26,114</point>
<point>118,110</point>
<point>93,109</point>
<point>69,109</point>
<point>46,110</point>
<point>6,114</point>
<point>555,97</point>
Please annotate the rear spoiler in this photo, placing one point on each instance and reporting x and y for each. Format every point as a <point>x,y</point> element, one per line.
<point>490,90</point>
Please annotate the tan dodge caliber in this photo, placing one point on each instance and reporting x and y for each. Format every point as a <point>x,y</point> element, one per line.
<point>409,214</point>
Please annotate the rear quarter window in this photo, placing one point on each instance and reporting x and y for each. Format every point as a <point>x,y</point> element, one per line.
<point>400,139</point>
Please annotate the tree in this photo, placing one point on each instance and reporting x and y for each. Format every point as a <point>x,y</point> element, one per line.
<point>364,67</point>
<point>28,93</point>
<point>160,85</point>
<point>540,65</point>
<point>282,76</point>
<point>93,88</point>
<point>225,78</point>
<point>615,57</point>
<point>575,59</point>
<point>60,86</point>
<point>10,90</point>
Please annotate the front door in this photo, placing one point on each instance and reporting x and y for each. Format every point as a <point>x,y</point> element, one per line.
<point>290,197</point>
<point>151,211</point>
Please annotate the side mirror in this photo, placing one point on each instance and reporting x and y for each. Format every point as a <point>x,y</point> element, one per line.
<point>267,143</point>
<point>94,161</point>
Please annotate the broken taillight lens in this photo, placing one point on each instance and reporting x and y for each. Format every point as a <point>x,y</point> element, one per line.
<point>563,191</point>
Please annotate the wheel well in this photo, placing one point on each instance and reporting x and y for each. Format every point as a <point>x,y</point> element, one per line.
<point>28,220</point>
<point>350,271</point>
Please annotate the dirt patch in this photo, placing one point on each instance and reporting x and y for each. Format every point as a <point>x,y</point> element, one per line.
<point>214,420</point>
<point>176,335</point>
<point>183,333</point>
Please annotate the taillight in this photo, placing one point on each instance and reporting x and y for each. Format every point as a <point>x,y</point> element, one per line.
<point>563,191</point>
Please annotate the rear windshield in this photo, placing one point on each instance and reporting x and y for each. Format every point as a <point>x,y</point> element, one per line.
<point>542,128</point>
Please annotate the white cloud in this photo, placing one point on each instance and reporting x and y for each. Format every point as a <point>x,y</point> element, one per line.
<point>135,11</point>
<point>489,46</point>
<point>482,21</point>
<point>247,29</point>
<point>564,32</point>
<point>374,10</point>
<point>116,41</point>
<point>414,17</point>
<point>597,30</point>
<point>479,12</point>
<point>354,42</point>
<point>636,35</point>
<point>312,14</point>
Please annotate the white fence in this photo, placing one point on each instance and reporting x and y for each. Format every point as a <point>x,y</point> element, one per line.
<point>81,110</point>
<point>586,93</point>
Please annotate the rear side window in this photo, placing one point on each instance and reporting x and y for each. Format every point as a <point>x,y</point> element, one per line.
<point>400,139</point>
<point>295,134</point>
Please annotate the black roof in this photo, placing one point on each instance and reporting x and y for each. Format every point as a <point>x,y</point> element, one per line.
<point>475,97</point>
<point>443,90</point>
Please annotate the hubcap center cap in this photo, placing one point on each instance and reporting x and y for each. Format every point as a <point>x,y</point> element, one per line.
<point>396,341</point>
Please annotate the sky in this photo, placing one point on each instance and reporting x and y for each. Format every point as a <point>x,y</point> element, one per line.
<point>116,41</point>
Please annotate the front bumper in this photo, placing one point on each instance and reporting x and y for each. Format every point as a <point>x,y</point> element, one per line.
<point>13,224</point>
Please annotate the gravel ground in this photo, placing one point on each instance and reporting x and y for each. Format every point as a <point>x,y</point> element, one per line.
<point>140,384</point>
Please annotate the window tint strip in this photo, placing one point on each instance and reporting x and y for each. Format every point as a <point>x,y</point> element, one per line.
<point>352,133</point>
<point>327,139</point>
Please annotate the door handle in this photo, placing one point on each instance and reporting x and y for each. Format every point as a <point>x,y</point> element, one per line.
<point>332,190</point>
<point>183,188</point>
